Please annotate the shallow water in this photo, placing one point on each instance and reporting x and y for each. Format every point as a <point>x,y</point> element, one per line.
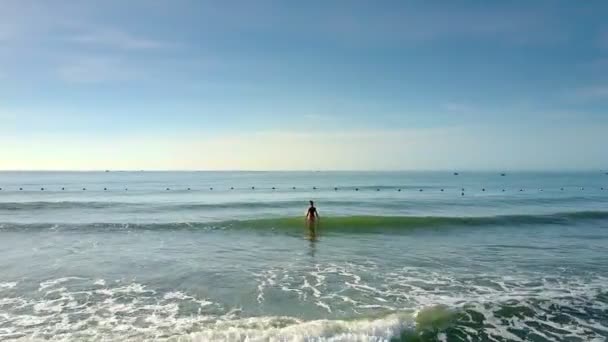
<point>387,262</point>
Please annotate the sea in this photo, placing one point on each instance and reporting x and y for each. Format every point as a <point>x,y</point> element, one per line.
<point>228,256</point>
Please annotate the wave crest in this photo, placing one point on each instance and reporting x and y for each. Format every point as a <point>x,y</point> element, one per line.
<point>339,223</point>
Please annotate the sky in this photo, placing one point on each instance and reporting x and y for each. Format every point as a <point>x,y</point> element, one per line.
<point>303,85</point>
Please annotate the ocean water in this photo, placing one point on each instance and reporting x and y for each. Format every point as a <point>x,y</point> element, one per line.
<point>227,256</point>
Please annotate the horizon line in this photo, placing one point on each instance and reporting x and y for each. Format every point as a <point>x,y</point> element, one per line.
<point>306,170</point>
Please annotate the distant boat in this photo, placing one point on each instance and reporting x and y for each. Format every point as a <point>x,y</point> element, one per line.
<point>455,173</point>
<point>503,174</point>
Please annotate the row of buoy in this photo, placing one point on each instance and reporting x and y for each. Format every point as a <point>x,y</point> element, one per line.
<point>502,174</point>
<point>313,188</point>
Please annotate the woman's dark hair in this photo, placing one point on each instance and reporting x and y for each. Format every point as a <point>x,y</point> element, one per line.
<point>311,203</point>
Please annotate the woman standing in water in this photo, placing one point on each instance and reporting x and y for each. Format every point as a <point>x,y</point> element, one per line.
<point>312,214</point>
<point>312,218</point>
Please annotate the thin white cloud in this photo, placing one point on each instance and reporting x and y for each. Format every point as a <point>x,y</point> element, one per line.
<point>438,23</point>
<point>26,23</point>
<point>114,38</point>
<point>65,41</point>
<point>97,70</point>
<point>592,93</point>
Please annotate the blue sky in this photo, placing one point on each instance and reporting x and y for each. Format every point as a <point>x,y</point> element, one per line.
<point>159,84</point>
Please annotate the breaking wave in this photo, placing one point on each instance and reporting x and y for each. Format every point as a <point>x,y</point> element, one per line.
<point>340,223</point>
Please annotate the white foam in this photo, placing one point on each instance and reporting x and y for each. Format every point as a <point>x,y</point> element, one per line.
<point>53,282</point>
<point>265,329</point>
<point>265,279</point>
<point>123,311</point>
<point>8,285</point>
<point>16,303</point>
<point>105,292</point>
<point>29,320</point>
<point>49,306</point>
<point>323,305</point>
<point>417,288</point>
<point>133,288</point>
<point>176,295</point>
<point>315,291</point>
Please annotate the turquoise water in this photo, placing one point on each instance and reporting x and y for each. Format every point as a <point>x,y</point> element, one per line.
<point>201,256</point>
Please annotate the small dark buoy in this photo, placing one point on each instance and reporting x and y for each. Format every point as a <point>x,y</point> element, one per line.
<point>335,189</point>
<point>62,189</point>
<point>105,189</point>
<point>253,188</point>
<point>126,189</point>
<point>21,189</point>
<point>540,190</point>
<point>484,189</point>
<point>41,189</point>
<point>420,190</point>
<point>314,188</point>
<point>167,189</point>
<point>0,189</point>
<point>582,188</point>
<point>377,189</point>
<point>188,189</point>
<point>84,189</point>
<point>356,189</point>
<point>601,188</point>
<point>562,189</point>
<point>455,173</point>
<point>231,188</point>
<point>502,174</point>
<point>441,190</point>
<point>462,189</point>
<point>273,188</point>
<point>399,190</point>
<point>293,187</point>
<point>521,190</point>
<point>210,188</point>
<point>503,190</point>
<point>462,194</point>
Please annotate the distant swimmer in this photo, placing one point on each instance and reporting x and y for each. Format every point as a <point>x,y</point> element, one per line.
<point>312,214</point>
